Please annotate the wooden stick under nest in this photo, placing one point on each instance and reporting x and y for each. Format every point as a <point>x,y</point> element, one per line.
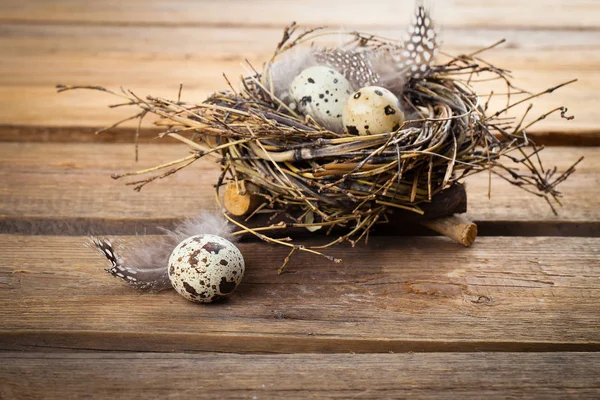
<point>456,227</point>
<point>243,199</point>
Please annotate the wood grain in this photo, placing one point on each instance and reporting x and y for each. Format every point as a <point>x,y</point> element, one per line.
<point>155,60</point>
<point>417,317</point>
<point>227,376</point>
<point>553,14</point>
<point>396,294</point>
<point>53,188</point>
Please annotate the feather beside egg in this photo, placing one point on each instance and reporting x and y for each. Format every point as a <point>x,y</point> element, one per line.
<point>413,59</point>
<point>143,264</point>
<point>389,66</point>
<point>354,65</point>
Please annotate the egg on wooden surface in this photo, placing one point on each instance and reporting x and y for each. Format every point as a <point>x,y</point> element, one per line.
<point>372,110</point>
<point>205,268</point>
<point>321,92</point>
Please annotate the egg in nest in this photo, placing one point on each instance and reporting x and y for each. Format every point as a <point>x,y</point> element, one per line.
<point>205,268</point>
<point>372,110</point>
<point>321,92</point>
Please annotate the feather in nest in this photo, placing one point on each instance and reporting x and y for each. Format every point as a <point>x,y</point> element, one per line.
<point>388,66</point>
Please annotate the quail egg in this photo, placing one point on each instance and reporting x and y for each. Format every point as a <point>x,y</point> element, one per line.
<point>321,92</point>
<point>372,110</point>
<point>205,268</point>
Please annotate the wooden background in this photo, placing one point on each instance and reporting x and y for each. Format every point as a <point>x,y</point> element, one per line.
<point>518,314</point>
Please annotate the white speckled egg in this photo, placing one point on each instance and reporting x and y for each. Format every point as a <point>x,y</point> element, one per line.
<point>321,92</point>
<point>205,268</point>
<point>372,110</point>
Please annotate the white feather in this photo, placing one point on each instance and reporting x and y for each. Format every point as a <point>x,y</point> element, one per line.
<point>282,72</point>
<point>390,77</point>
<point>210,223</point>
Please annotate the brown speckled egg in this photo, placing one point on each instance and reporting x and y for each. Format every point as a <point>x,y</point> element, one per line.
<point>372,110</point>
<point>205,268</point>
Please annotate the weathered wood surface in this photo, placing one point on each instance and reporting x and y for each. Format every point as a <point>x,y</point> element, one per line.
<point>227,376</point>
<point>154,57</point>
<point>513,316</point>
<point>501,15</point>
<point>396,294</point>
<point>67,189</point>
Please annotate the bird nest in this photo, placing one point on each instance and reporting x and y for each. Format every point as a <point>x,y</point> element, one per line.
<point>312,178</point>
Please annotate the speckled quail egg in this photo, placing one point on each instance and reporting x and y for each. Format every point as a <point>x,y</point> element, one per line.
<point>321,92</point>
<point>372,110</point>
<point>205,268</point>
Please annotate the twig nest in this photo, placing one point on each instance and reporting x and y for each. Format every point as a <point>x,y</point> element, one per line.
<point>321,92</point>
<point>205,268</point>
<point>372,110</point>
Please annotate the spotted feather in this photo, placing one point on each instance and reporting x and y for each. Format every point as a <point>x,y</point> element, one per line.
<point>420,45</point>
<point>118,269</point>
<point>390,66</point>
<point>355,66</point>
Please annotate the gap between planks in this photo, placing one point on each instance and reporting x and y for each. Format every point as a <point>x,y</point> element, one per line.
<point>75,226</point>
<point>85,134</point>
<point>240,343</point>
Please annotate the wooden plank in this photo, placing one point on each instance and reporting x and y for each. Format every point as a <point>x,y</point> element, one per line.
<point>396,294</point>
<point>552,14</point>
<point>53,188</point>
<point>155,60</point>
<point>229,376</point>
